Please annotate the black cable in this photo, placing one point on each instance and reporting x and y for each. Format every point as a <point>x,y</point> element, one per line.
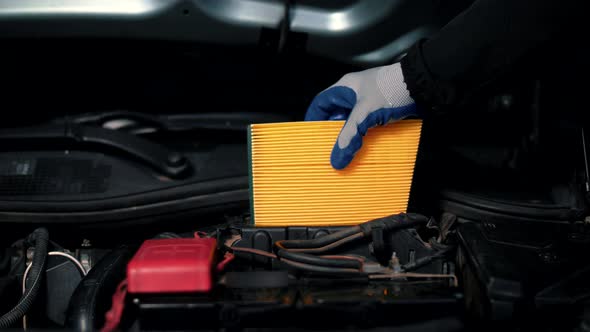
<point>40,238</point>
<point>298,265</point>
<point>320,269</point>
<point>328,247</point>
<point>314,260</point>
<point>390,223</point>
<point>320,241</point>
<point>424,260</point>
<point>418,263</point>
<point>393,223</point>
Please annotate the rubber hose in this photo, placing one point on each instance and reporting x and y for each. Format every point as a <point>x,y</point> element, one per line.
<point>92,298</point>
<point>321,269</point>
<point>319,261</point>
<point>40,238</point>
<point>320,241</point>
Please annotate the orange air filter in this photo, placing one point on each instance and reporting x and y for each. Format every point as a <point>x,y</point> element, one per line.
<point>293,184</point>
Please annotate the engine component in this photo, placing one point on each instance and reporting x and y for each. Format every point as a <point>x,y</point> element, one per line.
<point>515,273</point>
<point>40,238</point>
<point>300,302</point>
<point>413,253</point>
<point>168,163</point>
<point>63,273</point>
<point>280,277</point>
<point>172,266</point>
<point>293,183</point>
<point>91,299</point>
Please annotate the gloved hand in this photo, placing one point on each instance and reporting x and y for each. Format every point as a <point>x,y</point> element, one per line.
<point>367,99</point>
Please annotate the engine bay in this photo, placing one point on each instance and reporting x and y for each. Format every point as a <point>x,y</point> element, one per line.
<point>404,271</point>
<point>259,277</point>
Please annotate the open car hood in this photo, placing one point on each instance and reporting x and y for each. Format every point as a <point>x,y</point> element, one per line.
<point>364,32</point>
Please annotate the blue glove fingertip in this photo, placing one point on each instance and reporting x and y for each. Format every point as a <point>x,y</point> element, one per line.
<point>341,158</point>
<point>335,101</point>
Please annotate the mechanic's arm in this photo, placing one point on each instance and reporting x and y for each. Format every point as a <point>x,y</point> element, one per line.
<point>480,44</point>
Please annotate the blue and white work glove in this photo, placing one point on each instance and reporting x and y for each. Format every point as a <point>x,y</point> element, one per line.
<point>367,99</point>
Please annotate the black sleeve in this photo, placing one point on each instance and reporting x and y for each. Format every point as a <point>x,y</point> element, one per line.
<point>481,44</point>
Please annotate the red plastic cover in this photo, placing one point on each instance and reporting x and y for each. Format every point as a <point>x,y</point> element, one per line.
<point>172,266</point>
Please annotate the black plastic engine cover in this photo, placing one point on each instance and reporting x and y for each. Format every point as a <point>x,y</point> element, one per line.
<point>515,272</point>
<point>306,303</point>
<point>84,187</point>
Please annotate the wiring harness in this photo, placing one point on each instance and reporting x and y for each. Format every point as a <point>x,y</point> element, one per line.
<point>312,255</point>
<point>40,239</point>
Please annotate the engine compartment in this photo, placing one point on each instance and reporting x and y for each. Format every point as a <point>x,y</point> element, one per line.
<point>402,272</point>
<point>240,276</point>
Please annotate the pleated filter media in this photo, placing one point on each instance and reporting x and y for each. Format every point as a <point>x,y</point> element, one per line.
<point>293,184</point>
